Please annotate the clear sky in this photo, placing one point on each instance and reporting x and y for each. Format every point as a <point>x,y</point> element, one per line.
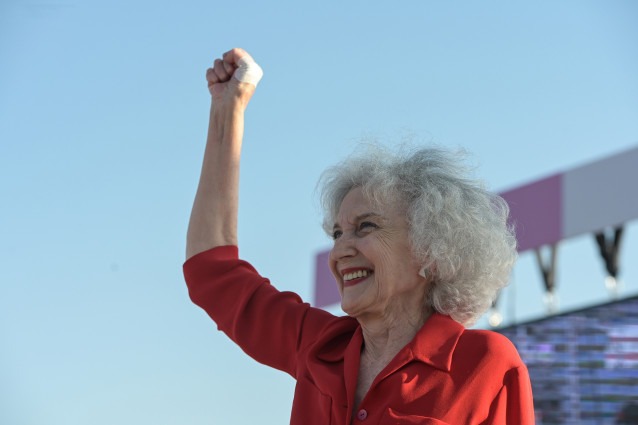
<point>103,116</point>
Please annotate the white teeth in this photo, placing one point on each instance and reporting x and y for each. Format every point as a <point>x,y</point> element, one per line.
<point>355,275</point>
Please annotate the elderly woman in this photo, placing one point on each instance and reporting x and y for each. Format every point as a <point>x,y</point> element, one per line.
<point>419,253</point>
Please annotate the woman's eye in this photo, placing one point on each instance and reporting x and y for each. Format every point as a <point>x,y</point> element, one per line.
<point>367,225</point>
<point>336,234</point>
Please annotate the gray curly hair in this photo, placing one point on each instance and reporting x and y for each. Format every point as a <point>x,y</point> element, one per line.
<point>458,229</point>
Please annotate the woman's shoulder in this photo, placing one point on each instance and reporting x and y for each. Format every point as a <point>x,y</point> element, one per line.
<point>334,329</point>
<point>489,346</point>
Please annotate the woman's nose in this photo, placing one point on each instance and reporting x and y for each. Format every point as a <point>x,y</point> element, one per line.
<point>344,247</point>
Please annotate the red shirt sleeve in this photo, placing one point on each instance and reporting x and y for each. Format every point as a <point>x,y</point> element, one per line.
<point>514,405</point>
<point>270,326</point>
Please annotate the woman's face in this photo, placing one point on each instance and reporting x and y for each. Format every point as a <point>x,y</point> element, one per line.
<point>372,261</point>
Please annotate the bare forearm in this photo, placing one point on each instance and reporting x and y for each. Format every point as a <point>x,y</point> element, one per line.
<point>213,220</point>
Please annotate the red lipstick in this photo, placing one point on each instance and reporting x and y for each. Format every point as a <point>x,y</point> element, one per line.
<point>355,280</point>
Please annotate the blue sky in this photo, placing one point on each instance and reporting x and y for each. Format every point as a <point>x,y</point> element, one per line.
<point>103,116</point>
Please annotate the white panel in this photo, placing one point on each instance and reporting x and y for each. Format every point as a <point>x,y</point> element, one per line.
<point>601,194</point>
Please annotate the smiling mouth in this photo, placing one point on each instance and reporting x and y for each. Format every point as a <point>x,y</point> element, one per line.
<point>354,277</point>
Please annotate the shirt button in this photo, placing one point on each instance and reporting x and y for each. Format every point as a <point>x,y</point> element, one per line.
<point>362,414</point>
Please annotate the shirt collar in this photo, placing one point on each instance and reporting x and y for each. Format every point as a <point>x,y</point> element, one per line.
<point>433,344</point>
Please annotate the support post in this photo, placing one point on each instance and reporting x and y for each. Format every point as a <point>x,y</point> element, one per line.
<point>608,242</point>
<point>548,271</point>
<point>495,318</point>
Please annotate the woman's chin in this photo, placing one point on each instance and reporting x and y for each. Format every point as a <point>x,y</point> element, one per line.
<point>352,307</point>
<point>348,307</point>
<point>356,297</point>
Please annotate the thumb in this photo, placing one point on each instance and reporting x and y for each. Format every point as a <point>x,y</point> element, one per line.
<point>247,70</point>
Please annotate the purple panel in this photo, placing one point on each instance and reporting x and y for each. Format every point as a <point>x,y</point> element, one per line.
<point>326,291</point>
<point>536,211</point>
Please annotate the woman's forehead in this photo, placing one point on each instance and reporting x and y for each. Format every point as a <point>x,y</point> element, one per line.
<point>356,206</point>
<point>354,203</point>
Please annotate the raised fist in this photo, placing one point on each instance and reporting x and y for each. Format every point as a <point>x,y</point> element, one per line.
<point>235,76</point>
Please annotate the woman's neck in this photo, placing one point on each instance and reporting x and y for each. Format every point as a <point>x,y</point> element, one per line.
<point>384,336</point>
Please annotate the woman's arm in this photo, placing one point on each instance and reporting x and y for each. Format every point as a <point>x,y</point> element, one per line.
<point>271,326</point>
<point>213,220</point>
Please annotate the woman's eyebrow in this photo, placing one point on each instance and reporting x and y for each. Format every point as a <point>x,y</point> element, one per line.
<point>368,215</point>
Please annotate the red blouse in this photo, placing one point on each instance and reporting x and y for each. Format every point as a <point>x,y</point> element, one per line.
<point>445,375</point>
